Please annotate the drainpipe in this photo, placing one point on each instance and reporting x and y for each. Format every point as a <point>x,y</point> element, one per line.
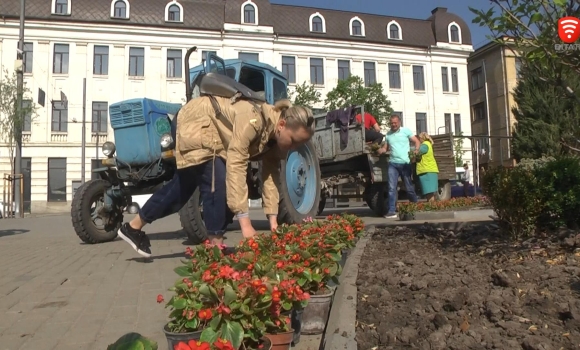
<point>432,86</point>
<point>507,111</point>
<point>487,108</point>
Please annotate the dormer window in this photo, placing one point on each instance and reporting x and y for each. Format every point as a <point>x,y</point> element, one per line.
<point>120,9</point>
<point>454,33</point>
<point>174,12</point>
<point>317,23</point>
<point>394,31</point>
<point>61,7</point>
<point>357,27</point>
<point>249,13</point>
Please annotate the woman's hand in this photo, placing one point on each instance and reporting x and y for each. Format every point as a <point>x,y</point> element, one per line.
<point>248,230</point>
<point>273,222</point>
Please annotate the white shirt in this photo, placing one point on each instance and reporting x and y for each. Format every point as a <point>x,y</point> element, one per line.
<point>467,176</point>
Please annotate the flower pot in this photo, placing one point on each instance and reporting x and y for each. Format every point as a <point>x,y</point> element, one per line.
<point>344,257</point>
<point>174,338</point>
<point>281,341</point>
<point>265,344</point>
<point>315,314</point>
<point>296,324</point>
<point>406,216</point>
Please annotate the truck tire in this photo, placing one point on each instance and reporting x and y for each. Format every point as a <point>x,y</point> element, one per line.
<point>375,195</point>
<point>444,191</point>
<point>299,185</point>
<point>191,219</point>
<point>84,225</point>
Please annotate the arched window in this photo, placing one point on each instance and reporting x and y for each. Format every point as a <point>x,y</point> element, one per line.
<point>249,14</point>
<point>61,7</point>
<point>120,9</point>
<point>394,31</point>
<point>317,24</point>
<point>173,12</point>
<point>454,33</point>
<point>357,27</point>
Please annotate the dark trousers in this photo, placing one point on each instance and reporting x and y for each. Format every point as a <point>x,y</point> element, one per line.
<point>172,197</point>
<point>374,136</point>
<point>405,172</point>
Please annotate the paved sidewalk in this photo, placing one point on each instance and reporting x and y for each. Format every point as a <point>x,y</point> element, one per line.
<point>57,293</point>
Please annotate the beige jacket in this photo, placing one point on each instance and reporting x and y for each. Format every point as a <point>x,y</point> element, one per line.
<point>238,138</point>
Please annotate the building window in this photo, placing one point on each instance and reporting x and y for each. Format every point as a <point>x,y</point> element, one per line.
<point>394,76</point>
<point>343,69</point>
<point>447,123</point>
<point>101,60</point>
<point>95,164</point>
<point>249,14</point>
<point>27,122</point>
<point>205,54</point>
<point>418,78</point>
<point>59,116</point>
<point>454,34</point>
<point>518,67</point>
<point>174,63</point>
<point>100,117</point>
<point>60,63</point>
<point>454,80</point>
<point>136,62</point>
<point>249,56</point>
<point>394,31</point>
<point>57,179</point>
<point>479,111</point>
<point>356,28</point>
<point>120,9</point>
<point>421,120</point>
<point>289,68</point>
<point>61,7</point>
<point>445,79</point>
<point>27,57</point>
<point>457,123</point>
<point>317,71</point>
<point>317,24</point>
<point>370,73</point>
<point>477,80</point>
<point>174,13</point>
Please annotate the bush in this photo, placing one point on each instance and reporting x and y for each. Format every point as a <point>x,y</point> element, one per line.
<point>541,194</point>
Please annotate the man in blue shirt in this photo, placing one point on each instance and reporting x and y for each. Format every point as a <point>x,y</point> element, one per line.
<point>399,163</point>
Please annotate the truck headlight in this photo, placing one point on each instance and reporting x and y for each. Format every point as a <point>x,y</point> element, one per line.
<point>108,149</point>
<point>166,140</point>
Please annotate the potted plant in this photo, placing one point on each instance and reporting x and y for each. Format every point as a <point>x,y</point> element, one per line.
<point>407,211</point>
<point>133,341</point>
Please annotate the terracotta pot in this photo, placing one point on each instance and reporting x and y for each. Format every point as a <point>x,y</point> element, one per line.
<point>174,338</point>
<point>264,342</point>
<point>407,216</point>
<point>281,341</point>
<point>316,313</point>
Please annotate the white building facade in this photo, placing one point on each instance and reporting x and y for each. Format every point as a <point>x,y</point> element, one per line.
<point>130,49</point>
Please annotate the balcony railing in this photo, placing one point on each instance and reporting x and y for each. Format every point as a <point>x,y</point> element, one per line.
<point>98,138</point>
<point>59,137</point>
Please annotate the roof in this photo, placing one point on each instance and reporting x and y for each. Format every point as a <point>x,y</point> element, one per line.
<point>286,20</point>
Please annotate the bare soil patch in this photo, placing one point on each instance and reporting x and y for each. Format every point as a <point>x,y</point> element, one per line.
<point>424,287</point>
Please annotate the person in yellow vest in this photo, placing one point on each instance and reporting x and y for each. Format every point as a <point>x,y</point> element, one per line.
<point>427,169</point>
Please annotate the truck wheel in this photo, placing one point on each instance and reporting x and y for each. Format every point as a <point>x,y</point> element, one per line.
<point>444,191</point>
<point>321,205</point>
<point>191,218</point>
<point>299,185</point>
<point>375,195</point>
<point>88,225</point>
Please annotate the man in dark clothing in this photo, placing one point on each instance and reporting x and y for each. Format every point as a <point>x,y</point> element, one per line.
<point>372,128</point>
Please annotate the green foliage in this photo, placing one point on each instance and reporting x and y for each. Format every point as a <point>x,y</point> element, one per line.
<point>305,95</point>
<point>352,91</point>
<point>537,195</point>
<point>458,150</point>
<point>546,114</point>
<point>11,117</point>
<point>133,341</point>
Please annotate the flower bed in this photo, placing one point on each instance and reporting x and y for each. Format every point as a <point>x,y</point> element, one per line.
<point>232,302</point>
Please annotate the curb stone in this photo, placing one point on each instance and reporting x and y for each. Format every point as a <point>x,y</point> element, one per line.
<point>340,330</point>
<point>460,214</point>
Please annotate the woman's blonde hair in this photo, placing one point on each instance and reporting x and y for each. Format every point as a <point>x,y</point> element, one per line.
<point>424,136</point>
<point>295,116</point>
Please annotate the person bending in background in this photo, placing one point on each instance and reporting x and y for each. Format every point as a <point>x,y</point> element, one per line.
<point>372,128</point>
<point>427,168</point>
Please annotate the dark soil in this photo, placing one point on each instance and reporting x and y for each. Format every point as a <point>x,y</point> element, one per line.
<point>425,287</point>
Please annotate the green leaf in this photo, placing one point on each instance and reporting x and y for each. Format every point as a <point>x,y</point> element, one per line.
<point>233,332</point>
<point>204,290</point>
<point>246,310</point>
<point>192,324</point>
<point>333,269</point>
<point>213,293</point>
<point>316,277</point>
<point>182,271</point>
<point>215,322</point>
<point>209,335</point>
<point>536,17</point>
<point>301,281</point>
<point>561,3</point>
<point>307,275</point>
<point>179,304</point>
<point>229,295</point>
<point>286,305</point>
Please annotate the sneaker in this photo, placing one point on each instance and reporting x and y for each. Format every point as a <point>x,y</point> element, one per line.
<point>390,216</point>
<point>136,239</point>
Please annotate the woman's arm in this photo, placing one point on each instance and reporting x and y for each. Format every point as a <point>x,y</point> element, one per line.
<point>271,181</point>
<point>423,149</point>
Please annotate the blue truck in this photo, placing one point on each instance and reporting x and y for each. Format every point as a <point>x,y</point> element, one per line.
<point>142,158</point>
